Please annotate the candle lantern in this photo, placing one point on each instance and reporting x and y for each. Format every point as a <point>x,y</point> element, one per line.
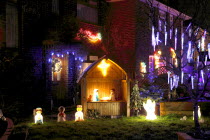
<point>79,114</point>
<point>38,116</point>
<point>61,114</point>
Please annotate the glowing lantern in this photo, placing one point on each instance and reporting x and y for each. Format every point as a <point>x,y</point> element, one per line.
<point>61,114</point>
<point>79,114</point>
<point>149,106</point>
<point>104,66</point>
<point>38,117</point>
<point>199,113</point>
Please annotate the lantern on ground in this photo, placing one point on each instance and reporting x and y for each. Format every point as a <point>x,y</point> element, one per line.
<point>61,114</point>
<point>38,116</point>
<point>79,114</point>
<point>149,106</point>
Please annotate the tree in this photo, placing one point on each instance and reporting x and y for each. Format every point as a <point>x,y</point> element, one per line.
<point>186,62</point>
<point>135,99</point>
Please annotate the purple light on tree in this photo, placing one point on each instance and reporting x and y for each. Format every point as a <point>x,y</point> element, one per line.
<point>171,31</point>
<point>165,34</point>
<point>202,75</point>
<point>192,81</point>
<point>182,41</point>
<point>189,51</point>
<point>153,38</point>
<point>182,77</point>
<point>175,45</point>
<point>209,50</point>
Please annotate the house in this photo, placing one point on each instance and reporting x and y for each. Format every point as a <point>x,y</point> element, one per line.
<point>119,29</point>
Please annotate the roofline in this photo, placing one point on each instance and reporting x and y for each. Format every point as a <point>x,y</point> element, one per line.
<point>95,63</point>
<point>168,9</point>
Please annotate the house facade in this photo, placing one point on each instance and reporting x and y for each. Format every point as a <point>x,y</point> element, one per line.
<point>131,33</point>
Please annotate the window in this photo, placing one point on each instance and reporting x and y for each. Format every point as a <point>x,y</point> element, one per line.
<point>55,6</point>
<point>11,26</point>
<point>162,19</point>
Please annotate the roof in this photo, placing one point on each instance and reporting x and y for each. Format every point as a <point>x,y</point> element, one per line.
<point>94,64</point>
<point>166,8</point>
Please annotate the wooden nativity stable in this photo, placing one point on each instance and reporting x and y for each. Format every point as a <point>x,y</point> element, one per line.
<point>104,75</point>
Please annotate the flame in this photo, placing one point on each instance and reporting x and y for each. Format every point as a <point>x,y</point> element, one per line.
<point>149,106</point>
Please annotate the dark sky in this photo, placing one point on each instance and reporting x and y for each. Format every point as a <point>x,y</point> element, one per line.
<point>190,7</point>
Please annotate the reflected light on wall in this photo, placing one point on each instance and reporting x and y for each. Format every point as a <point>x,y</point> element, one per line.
<point>104,66</point>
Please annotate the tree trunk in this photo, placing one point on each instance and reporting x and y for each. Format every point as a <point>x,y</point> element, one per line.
<point>196,122</point>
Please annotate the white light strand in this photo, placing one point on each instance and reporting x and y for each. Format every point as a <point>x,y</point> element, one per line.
<point>182,45</point>
<point>171,31</point>
<point>202,76</point>
<point>198,61</point>
<point>189,52</point>
<point>169,73</point>
<point>153,38</point>
<point>182,77</point>
<point>209,50</point>
<point>165,34</point>
<point>203,41</point>
<point>175,42</point>
<point>192,81</point>
<point>171,83</point>
<point>206,57</point>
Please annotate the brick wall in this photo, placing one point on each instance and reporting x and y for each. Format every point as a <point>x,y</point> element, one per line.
<point>121,39</point>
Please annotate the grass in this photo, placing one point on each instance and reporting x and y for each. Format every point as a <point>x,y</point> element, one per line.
<point>125,128</point>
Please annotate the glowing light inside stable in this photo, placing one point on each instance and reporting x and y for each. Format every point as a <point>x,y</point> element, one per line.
<point>79,114</point>
<point>175,42</point>
<point>153,38</point>
<point>149,106</point>
<point>104,66</point>
<point>105,98</point>
<point>95,95</point>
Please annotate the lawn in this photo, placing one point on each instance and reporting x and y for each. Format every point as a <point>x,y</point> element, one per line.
<point>125,128</point>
